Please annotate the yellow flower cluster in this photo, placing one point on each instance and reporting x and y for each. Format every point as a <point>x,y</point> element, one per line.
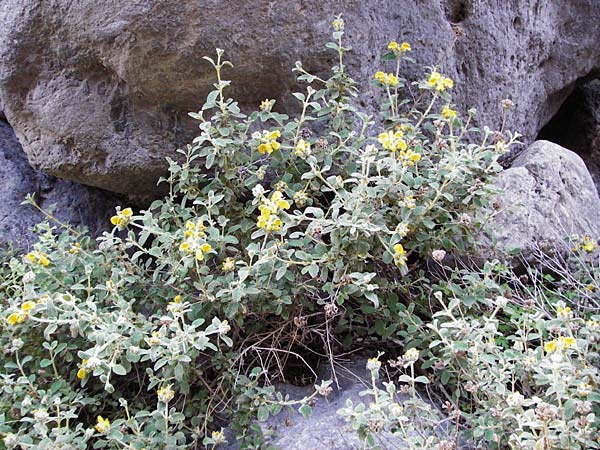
<point>399,48</point>
<point>439,82</point>
<point>218,437</point>
<point>402,229</point>
<point>269,210</point>
<point>399,255</point>
<point>228,265</point>
<point>102,425</point>
<point>302,149</point>
<point>194,242</point>
<point>154,338</point>
<point>268,141</point>
<point>388,79</point>
<point>564,312</point>
<point>21,315</point>
<point>408,157</point>
<point>448,113</point>
<point>338,24</point>
<point>165,394</point>
<point>408,202</point>
<point>563,343</point>
<point>300,198</point>
<point>122,218</point>
<point>175,305</point>
<point>392,140</point>
<point>266,104</point>
<point>587,244</point>
<point>39,258</point>
<point>373,364</point>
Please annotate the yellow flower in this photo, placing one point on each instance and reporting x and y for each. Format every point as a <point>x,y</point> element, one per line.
<point>75,248</point>
<point>194,229</point>
<point>448,113</point>
<point>388,79</point>
<point>408,157</point>
<point>399,255</point>
<point>154,339</point>
<point>266,104</point>
<point>300,198</point>
<point>102,425</point>
<point>224,327</point>
<point>228,265</point>
<point>165,394</point>
<point>399,48</point>
<point>402,229</point>
<point>302,149</point>
<point>13,319</point>
<point>439,82</point>
<point>588,244</point>
<point>37,257</point>
<point>269,142</point>
<point>218,437</point>
<point>28,306</point>
<point>551,346</point>
<point>338,24</point>
<point>564,313</point>
<point>82,372</point>
<point>269,209</point>
<point>392,140</point>
<point>567,342</point>
<point>193,242</point>
<point>380,76</point>
<point>584,389</point>
<point>373,364</point>
<point>122,218</point>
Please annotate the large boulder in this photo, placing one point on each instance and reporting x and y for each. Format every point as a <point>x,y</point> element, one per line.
<point>98,91</point>
<point>547,196</point>
<point>75,204</point>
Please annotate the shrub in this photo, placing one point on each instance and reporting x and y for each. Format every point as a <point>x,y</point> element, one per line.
<point>280,239</point>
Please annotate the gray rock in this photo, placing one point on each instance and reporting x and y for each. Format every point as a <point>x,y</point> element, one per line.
<point>325,429</point>
<point>548,195</point>
<point>98,91</point>
<point>75,204</point>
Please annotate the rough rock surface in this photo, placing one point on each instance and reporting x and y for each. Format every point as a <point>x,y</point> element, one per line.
<point>324,429</point>
<point>548,195</point>
<point>76,204</point>
<point>576,126</point>
<point>98,92</point>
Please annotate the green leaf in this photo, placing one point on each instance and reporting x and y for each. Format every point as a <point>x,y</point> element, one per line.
<point>305,410</point>
<point>263,413</point>
<point>118,369</point>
